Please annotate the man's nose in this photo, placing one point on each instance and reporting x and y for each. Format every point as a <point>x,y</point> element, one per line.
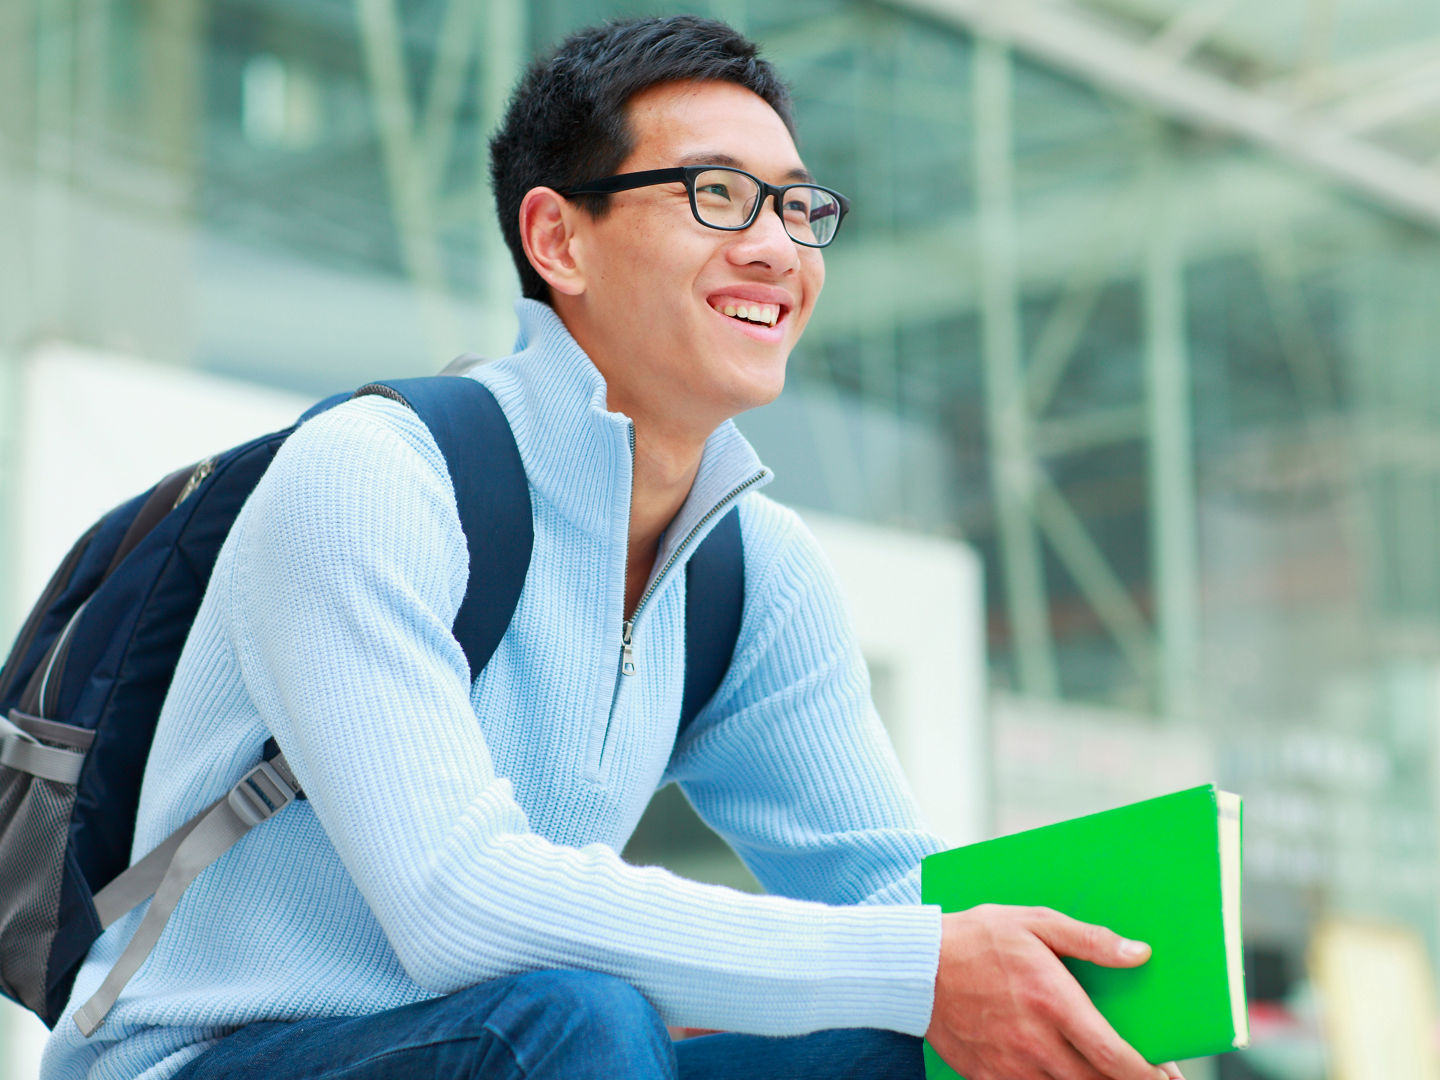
<point>766,240</point>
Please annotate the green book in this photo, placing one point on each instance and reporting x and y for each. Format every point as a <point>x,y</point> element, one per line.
<point>1164,871</point>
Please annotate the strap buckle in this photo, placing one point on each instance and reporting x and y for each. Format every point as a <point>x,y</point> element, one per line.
<point>260,794</point>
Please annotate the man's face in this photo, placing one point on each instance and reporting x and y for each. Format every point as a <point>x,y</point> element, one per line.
<point>656,280</point>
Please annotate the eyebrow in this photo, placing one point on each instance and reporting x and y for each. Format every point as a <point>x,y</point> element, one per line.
<point>796,175</point>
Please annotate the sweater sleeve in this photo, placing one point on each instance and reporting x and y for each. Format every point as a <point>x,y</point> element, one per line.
<point>349,569</point>
<point>790,762</point>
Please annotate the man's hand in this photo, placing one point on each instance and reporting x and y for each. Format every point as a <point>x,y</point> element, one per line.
<point>1006,1008</point>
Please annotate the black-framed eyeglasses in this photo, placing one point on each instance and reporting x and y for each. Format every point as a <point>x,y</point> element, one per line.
<point>731,199</point>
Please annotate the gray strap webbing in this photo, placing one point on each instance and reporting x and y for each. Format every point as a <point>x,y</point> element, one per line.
<point>139,883</point>
<point>68,736</point>
<point>37,759</point>
<point>262,793</point>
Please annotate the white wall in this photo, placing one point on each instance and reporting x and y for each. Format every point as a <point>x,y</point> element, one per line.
<point>917,606</point>
<point>97,428</point>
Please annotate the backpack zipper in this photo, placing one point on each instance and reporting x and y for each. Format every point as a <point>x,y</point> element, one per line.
<point>58,652</point>
<point>55,660</point>
<point>31,630</point>
<point>197,477</point>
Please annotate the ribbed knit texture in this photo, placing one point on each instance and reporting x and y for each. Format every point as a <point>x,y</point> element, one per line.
<point>457,832</point>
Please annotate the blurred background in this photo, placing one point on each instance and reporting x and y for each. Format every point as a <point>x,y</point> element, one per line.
<point>1120,416</point>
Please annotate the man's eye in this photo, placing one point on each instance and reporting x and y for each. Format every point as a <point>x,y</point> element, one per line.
<point>716,191</point>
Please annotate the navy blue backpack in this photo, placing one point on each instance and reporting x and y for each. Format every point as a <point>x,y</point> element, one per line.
<point>82,688</point>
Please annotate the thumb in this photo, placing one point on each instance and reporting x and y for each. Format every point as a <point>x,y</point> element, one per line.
<point>1088,941</point>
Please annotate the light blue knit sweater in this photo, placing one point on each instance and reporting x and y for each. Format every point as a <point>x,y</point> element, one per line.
<point>455,831</point>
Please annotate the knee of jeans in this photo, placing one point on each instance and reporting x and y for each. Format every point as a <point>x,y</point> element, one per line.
<point>595,1005</point>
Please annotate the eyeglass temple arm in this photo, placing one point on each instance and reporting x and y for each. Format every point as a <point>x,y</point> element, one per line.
<point>625,181</point>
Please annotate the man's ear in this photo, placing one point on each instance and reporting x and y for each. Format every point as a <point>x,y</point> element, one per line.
<point>547,232</point>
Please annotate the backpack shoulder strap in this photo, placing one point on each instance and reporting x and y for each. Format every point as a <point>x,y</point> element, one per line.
<point>491,493</point>
<point>493,498</point>
<point>714,604</point>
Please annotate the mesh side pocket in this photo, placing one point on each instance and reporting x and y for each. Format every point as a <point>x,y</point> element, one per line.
<point>34,828</point>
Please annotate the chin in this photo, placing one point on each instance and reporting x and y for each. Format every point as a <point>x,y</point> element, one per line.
<point>757,392</point>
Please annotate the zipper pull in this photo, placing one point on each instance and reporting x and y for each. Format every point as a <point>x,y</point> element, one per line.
<point>197,475</point>
<point>627,651</point>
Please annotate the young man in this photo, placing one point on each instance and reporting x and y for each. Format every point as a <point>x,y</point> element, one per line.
<point>448,900</point>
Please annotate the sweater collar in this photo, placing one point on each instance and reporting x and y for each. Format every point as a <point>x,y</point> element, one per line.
<point>577,452</point>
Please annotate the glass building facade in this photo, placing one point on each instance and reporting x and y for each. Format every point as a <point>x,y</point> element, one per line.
<point>1170,373</point>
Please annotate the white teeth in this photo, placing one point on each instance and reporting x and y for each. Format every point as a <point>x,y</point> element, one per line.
<point>764,314</point>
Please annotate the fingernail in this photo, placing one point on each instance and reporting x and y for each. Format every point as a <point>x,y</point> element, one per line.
<point>1134,949</point>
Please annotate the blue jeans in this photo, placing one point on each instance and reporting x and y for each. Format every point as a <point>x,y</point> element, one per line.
<point>566,1025</point>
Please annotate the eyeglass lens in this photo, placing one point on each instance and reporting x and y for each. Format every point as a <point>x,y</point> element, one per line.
<point>726,198</point>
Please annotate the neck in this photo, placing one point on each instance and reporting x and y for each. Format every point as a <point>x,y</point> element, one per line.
<point>669,442</point>
<point>665,469</point>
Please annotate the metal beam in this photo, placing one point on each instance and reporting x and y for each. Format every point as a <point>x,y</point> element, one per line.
<point>172,76</point>
<point>1098,583</point>
<point>1359,74</point>
<point>17,148</point>
<point>1067,237</point>
<point>503,34</point>
<point>454,50</point>
<point>1089,429</point>
<point>1188,30</point>
<point>51,231</point>
<point>408,172</point>
<point>1064,38</point>
<point>872,93</point>
<point>1171,473</point>
<point>1012,471</point>
<point>1317,50</point>
<point>1059,337</point>
<point>1300,341</point>
<point>1394,102</point>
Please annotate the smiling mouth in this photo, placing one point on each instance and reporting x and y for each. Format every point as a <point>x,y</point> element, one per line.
<point>760,314</point>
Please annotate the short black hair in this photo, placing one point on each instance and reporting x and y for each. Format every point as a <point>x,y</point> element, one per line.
<point>566,122</point>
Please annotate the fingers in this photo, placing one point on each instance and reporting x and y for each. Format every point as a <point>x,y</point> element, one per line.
<point>1064,1062</point>
<point>1087,941</point>
<point>1070,1064</point>
<point>1096,1041</point>
<point>1089,1032</point>
<point>1006,1008</point>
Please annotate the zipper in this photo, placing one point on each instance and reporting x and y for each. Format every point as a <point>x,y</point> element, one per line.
<point>31,630</point>
<point>627,652</point>
<point>57,657</point>
<point>197,477</point>
<point>627,626</point>
<point>55,661</point>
